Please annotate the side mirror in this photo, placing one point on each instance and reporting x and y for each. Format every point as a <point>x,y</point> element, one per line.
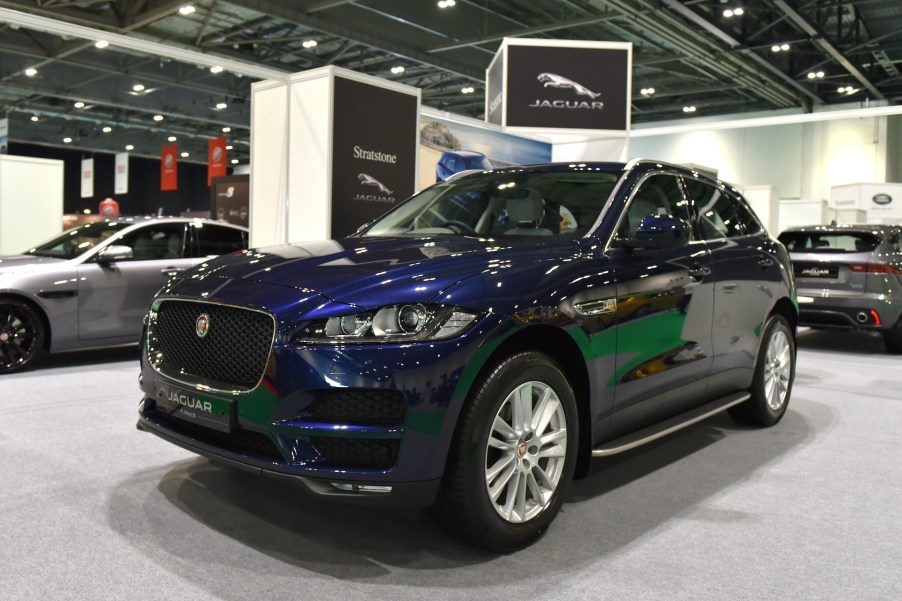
<point>115,252</point>
<point>659,232</point>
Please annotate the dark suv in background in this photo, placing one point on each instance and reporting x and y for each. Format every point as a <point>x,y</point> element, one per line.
<point>849,277</point>
<point>474,347</point>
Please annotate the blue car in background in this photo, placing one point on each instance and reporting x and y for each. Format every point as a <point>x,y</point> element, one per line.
<point>472,350</point>
<point>452,162</point>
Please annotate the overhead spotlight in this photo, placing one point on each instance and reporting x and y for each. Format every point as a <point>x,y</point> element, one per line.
<point>216,69</point>
<point>738,11</point>
<point>728,13</point>
<point>67,140</point>
<point>31,71</point>
<point>819,74</point>
<point>226,129</point>
<point>397,70</point>
<point>445,3</point>
<point>187,9</point>
<point>129,146</point>
<point>138,87</point>
<point>467,90</point>
<point>158,117</point>
<point>784,47</point>
<point>688,109</point>
<point>185,155</point>
<point>234,161</point>
<point>309,43</point>
<point>79,105</point>
<point>815,74</point>
<point>172,138</point>
<point>35,118</point>
<point>107,129</point>
<point>647,91</point>
<point>221,105</point>
<point>229,147</point>
<point>101,44</point>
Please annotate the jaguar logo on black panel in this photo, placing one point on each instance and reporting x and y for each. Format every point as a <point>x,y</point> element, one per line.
<point>369,180</point>
<point>559,81</point>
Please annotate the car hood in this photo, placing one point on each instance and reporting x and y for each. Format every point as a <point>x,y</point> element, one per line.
<point>19,263</point>
<point>372,271</point>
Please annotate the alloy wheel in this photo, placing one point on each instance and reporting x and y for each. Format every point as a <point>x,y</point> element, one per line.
<point>777,370</point>
<point>18,337</point>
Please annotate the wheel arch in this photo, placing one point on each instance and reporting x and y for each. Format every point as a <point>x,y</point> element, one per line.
<point>563,350</point>
<point>37,308</point>
<point>787,309</point>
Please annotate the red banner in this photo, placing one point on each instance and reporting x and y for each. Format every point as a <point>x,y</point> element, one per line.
<point>216,158</point>
<point>169,177</point>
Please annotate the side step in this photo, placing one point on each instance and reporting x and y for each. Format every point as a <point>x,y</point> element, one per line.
<point>668,426</point>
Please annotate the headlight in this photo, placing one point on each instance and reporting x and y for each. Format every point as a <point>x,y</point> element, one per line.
<point>395,323</point>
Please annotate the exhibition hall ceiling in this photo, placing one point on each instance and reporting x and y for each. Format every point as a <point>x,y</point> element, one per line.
<point>691,58</point>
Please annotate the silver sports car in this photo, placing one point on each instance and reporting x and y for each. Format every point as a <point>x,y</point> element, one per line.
<point>849,276</point>
<point>91,285</point>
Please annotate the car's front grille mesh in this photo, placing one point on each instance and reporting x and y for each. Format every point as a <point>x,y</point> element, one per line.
<point>234,350</point>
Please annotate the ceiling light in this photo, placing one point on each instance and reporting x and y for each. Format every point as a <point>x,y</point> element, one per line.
<point>815,74</point>
<point>738,11</point>
<point>234,161</point>
<point>101,44</point>
<point>35,118</point>
<point>309,44</point>
<point>397,70</point>
<point>688,109</point>
<point>158,117</point>
<point>67,140</point>
<point>107,129</point>
<point>229,147</point>
<point>187,9</point>
<point>467,90</point>
<point>79,105</point>
<point>129,146</point>
<point>221,105</point>
<point>226,129</point>
<point>216,69</point>
<point>728,13</point>
<point>647,91</point>
<point>185,155</point>
<point>172,138</point>
<point>446,3</point>
<point>819,74</point>
<point>31,71</point>
<point>784,47</point>
<point>138,87</point>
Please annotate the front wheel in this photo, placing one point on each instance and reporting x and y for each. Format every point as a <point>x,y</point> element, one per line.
<point>21,335</point>
<point>512,459</point>
<point>774,373</point>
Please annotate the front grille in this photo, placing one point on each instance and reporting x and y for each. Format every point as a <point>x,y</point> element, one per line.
<point>234,351</point>
<point>239,441</point>
<point>357,452</point>
<point>357,406</point>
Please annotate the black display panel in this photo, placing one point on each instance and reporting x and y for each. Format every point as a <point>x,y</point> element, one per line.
<point>495,92</point>
<point>571,88</point>
<point>374,152</point>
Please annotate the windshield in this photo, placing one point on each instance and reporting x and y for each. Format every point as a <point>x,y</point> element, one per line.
<point>504,203</point>
<point>77,241</point>
<point>829,242</point>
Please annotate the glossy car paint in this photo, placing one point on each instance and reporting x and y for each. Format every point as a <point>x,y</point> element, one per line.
<point>88,303</point>
<point>651,355</point>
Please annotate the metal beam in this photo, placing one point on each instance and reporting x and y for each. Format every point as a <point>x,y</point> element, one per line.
<point>820,40</point>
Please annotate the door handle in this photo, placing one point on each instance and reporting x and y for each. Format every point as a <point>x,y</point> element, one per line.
<point>699,271</point>
<point>765,262</point>
<point>171,271</point>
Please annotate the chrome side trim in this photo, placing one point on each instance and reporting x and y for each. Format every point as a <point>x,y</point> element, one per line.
<point>656,431</point>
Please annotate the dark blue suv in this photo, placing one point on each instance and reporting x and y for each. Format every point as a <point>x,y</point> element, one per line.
<point>475,347</point>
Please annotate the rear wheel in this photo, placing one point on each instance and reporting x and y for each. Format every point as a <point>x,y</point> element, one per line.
<point>21,335</point>
<point>774,374</point>
<point>512,460</point>
<point>892,339</point>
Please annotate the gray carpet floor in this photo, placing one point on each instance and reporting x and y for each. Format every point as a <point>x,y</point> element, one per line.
<point>90,508</point>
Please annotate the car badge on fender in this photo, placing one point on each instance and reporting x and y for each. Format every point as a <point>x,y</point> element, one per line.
<point>202,325</point>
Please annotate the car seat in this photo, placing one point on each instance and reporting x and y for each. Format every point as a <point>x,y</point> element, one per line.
<point>525,209</point>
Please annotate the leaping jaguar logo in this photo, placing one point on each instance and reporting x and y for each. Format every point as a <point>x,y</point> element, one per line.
<point>369,180</point>
<point>558,81</point>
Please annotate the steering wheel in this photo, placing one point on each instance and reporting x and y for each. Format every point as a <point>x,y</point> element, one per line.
<point>465,228</point>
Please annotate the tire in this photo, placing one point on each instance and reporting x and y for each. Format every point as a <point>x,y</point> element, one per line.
<point>892,339</point>
<point>21,336</point>
<point>775,371</point>
<point>503,496</point>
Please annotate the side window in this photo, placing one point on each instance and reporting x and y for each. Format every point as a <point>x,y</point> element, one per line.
<point>217,240</point>
<point>155,241</point>
<point>721,214</point>
<point>659,194</point>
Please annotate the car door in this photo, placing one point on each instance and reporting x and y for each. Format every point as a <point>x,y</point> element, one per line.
<point>747,275</point>
<point>114,296</point>
<point>664,309</point>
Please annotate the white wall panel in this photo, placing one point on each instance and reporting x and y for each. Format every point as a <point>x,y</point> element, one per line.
<point>269,177</point>
<point>31,201</point>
